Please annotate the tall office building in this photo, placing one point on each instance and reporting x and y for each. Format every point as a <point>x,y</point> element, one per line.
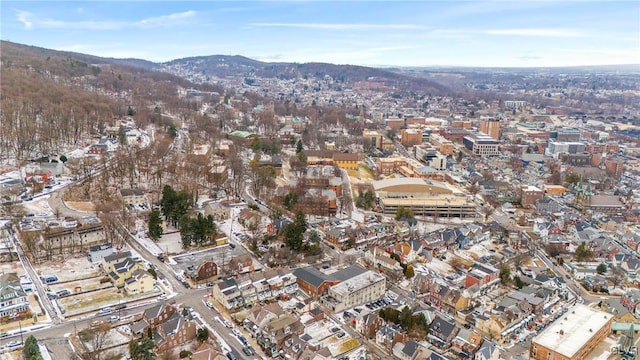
<point>490,127</point>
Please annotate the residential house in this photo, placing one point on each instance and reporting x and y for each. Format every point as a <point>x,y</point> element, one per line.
<point>491,325</point>
<point>219,211</point>
<point>382,260</point>
<point>13,299</point>
<point>133,197</point>
<point>368,324</point>
<point>206,271</point>
<point>139,282</point>
<point>488,351</point>
<point>631,301</point>
<point>226,292</point>
<point>277,331</point>
<point>249,218</point>
<point>482,275</point>
<point>254,287</point>
<point>153,316</point>
<point>408,250</point>
<point>442,332</point>
<point>120,267</point>
<point>174,333</point>
<point>406,351</point>
<point>448,296</point>
<point>389,335</point>
<point>466,343</point>
<point>169,328</point>
<point>241,264</point>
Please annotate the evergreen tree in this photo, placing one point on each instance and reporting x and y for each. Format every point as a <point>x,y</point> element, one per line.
<point>202,334</point>
<point>505,274</point>
<point>142,349</point>
<point>31,350</point>
<point>155,225</point>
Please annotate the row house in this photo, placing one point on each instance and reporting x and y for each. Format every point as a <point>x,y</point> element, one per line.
<point>382,260</point>
<point>631,301</point>
<point>482,275</point>
<point>409,251</point>
<point>255,287</point>
<point>442,332</point>
<point>448,297</point>
<point>466,343</point>
<point>274,334</point>
<point>368,325</point>
<point>389,335</point>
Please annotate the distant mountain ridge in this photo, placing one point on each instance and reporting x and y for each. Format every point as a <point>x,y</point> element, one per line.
<point>223,66</point>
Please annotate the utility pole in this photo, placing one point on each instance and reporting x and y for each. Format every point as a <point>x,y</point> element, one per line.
<point>20,324</point>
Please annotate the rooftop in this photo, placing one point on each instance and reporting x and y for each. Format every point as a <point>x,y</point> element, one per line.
<point>570,332</point>
<point>357,282</point>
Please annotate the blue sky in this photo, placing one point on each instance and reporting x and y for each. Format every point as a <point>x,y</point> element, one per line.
<point>412,33</point>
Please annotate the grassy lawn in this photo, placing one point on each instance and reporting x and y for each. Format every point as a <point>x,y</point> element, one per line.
<point>365,172</point>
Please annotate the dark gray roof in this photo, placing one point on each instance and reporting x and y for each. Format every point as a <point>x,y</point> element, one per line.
<point>100,247</point>
<point>172,325</point>
<point>117,256</point>
<point>443,326</point>
<point>138,326</point>
<point>311,276</point>
<point>348,273</point>
<point>154,311</point>
<point>487,349</point>
<point>410,348</point>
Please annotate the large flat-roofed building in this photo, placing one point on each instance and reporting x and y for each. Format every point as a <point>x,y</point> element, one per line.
<point>573,336</point>
<point>356,290</point>
<point>443,145</point>
<point>423,197</point>
<point>482,144</point>
<point>555,148</point>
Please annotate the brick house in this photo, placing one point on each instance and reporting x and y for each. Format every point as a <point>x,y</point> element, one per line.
<point>207,270</point>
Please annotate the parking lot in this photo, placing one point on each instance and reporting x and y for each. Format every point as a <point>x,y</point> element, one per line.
<point>219,254</point>
<point>369,307</point>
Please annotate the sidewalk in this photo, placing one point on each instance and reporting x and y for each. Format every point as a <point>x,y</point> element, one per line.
<point>250,339</point>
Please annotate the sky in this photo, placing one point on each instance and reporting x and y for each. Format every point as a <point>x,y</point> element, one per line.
<point>495,33</point>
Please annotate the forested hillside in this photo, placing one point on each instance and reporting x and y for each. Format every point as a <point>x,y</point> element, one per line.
<point>52,100</point>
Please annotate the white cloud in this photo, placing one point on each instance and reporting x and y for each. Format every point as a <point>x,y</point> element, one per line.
<point>166,19</point>
<point>551,32</point>
<point>30,21</point>
<point>24,17</point>
<point>329,26</point>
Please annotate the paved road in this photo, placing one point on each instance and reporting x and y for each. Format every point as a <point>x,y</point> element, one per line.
<point>56,203</point>
<point>356,335</point>
<point>190,297</point>
<point>35,279</point>
<point>56,335</point>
